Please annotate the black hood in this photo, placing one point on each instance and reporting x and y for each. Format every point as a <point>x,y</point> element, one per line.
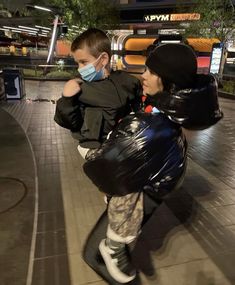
<point>194,108</point>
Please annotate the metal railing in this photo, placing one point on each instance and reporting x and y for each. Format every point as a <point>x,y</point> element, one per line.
<point>65,72</point>
<point>53,71</point>
<point>43,71</point>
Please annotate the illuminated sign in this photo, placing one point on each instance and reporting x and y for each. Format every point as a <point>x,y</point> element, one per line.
<point>217,58</point>
<point>172,17</point>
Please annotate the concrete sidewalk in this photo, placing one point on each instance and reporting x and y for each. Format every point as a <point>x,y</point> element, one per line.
<point>189,241</point>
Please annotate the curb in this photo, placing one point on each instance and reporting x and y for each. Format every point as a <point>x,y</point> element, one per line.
<point>46,79</point>
<point>226,95</point>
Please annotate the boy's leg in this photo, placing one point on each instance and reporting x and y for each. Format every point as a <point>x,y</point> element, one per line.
<point>125,216</point>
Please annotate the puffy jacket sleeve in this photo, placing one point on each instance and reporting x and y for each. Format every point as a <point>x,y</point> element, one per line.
<point>68,113</point>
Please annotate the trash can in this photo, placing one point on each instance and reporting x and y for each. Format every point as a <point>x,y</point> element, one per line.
<point>2,88</point>
<point>14,83</point>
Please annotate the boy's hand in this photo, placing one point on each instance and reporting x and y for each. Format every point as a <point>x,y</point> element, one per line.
<point>72,87</point>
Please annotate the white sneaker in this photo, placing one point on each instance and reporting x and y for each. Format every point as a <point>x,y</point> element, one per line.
<point>107,199</point>
<point>83,151</point>
<point>117,261</point>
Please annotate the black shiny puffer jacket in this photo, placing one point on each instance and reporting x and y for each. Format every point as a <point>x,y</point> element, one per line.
<point>145,152</point>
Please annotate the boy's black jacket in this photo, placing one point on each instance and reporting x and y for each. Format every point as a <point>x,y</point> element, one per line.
<point>93,112</point>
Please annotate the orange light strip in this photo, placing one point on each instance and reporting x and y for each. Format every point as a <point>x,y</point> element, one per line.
<point>138,43</point>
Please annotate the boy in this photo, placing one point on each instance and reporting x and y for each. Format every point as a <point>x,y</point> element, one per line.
<point>92,105</point>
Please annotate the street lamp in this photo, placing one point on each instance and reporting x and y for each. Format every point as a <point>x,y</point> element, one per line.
<point>53,39</point>
<point>56,14</point>
<point>42,8</point>
<point>52,9</point>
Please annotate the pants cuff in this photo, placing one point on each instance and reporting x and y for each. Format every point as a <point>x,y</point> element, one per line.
<point>116,237</point>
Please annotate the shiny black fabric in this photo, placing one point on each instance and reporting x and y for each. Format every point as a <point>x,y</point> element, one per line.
<point>194,108</point>
<point>145,152</point>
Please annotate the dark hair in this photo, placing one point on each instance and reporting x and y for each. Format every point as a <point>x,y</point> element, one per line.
<point>167,85</point>
<point>95,40</point>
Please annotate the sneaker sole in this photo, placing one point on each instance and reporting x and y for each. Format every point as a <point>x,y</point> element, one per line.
<point>113,271</point>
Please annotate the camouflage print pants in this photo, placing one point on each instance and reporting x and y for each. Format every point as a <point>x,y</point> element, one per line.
<point>126,214</point>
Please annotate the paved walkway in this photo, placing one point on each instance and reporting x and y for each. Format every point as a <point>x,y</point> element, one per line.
<point>190,239</point>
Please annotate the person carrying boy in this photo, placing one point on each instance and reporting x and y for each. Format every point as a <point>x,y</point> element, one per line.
<point>146,154</point>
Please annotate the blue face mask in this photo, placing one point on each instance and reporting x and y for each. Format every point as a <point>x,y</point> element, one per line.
<point>89,73</point>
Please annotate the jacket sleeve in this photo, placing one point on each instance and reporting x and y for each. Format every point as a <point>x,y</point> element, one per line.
<point>135,99</point>
<point>92,128</point>
<point>68,113</point>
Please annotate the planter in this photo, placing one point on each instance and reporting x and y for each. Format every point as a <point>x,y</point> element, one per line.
<point>226,95</point>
